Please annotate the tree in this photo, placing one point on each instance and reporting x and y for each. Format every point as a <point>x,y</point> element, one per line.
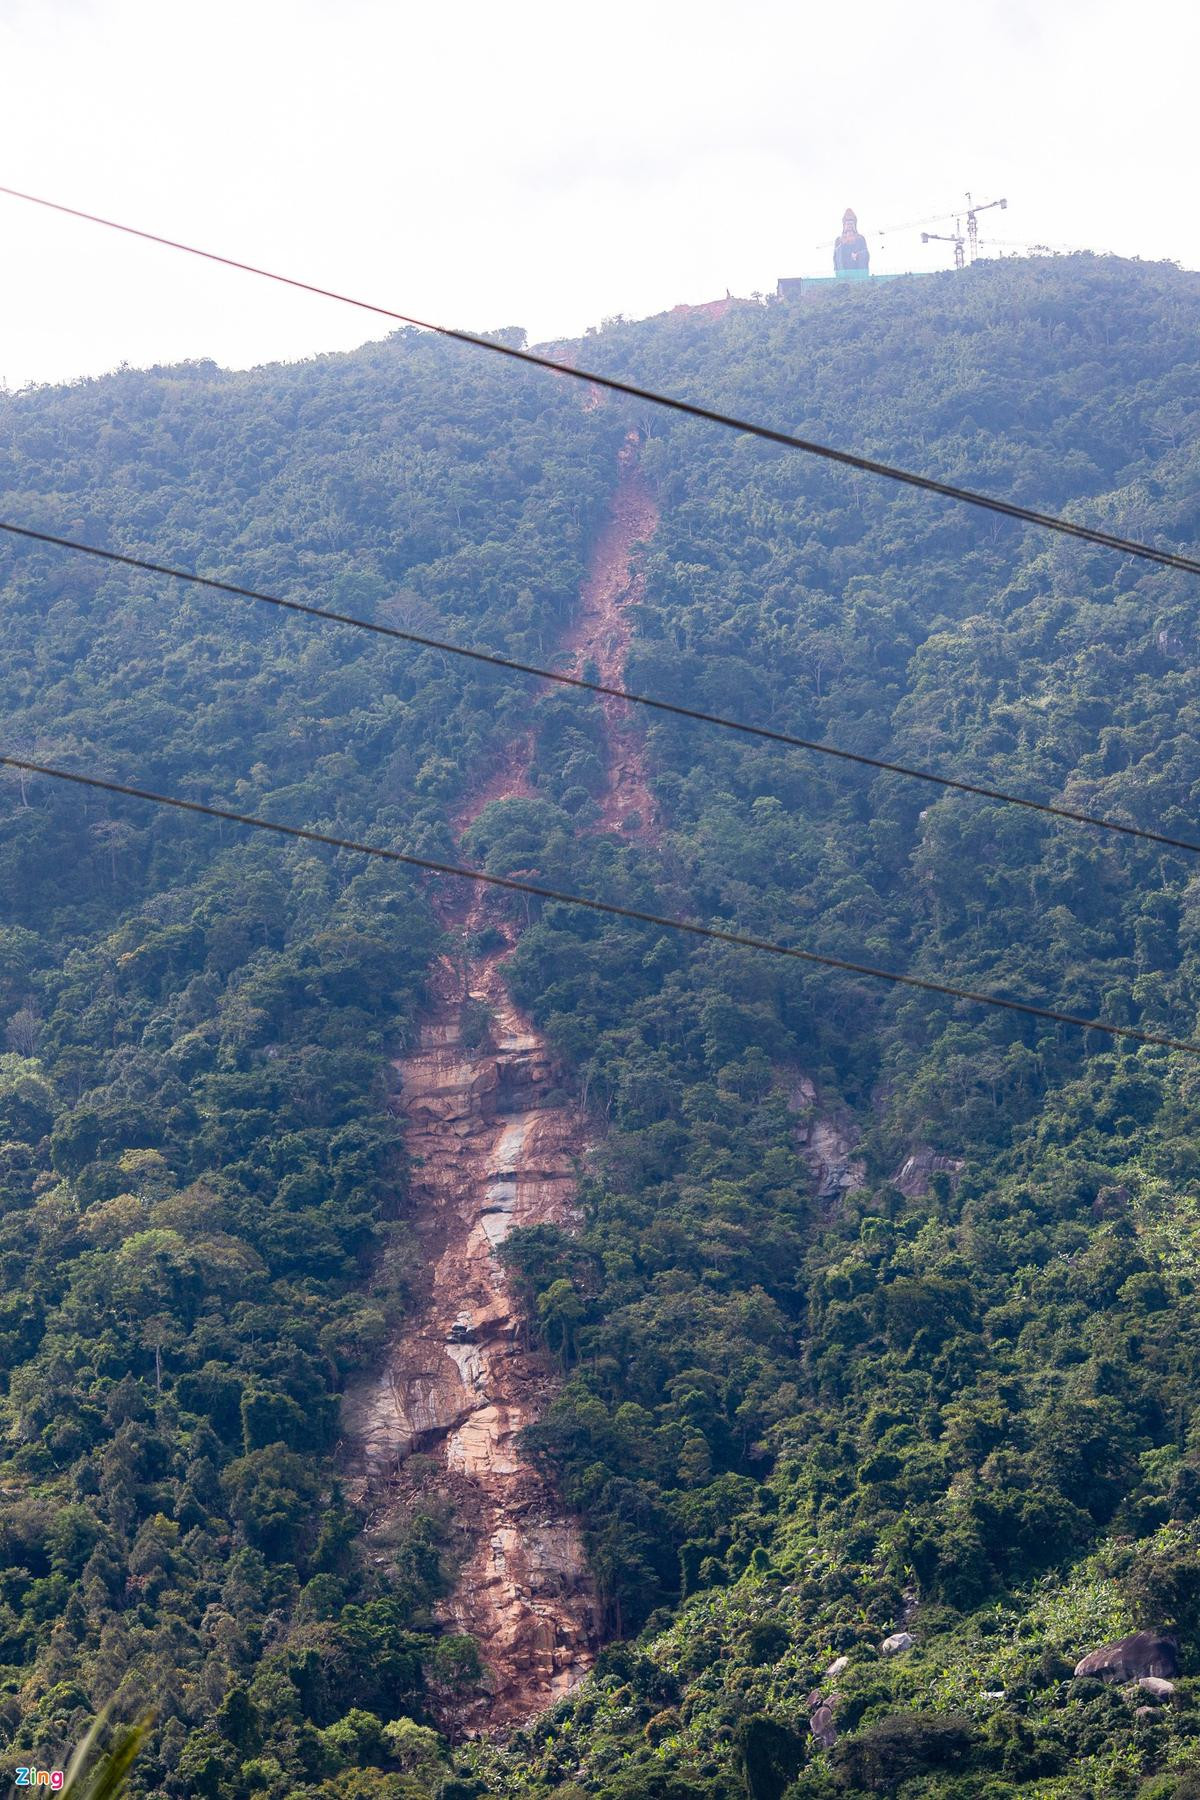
<point>771,1755</point>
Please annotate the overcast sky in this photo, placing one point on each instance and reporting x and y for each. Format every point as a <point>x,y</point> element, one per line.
<point>547,164</point>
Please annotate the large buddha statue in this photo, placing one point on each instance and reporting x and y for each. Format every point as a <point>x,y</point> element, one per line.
<point>850,253</point>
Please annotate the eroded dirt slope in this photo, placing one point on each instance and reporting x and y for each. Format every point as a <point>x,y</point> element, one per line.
<point>494,1145</point>
<point>601,635</point>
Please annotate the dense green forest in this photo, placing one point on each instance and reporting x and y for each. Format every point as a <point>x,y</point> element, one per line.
<point>792,1422</point>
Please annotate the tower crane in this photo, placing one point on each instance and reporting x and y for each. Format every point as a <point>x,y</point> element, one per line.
<point>973,221</point>
<point>973,209</point>
<point>966,244</point>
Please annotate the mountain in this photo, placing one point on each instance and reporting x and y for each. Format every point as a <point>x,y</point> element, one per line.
<point>417,1296</point>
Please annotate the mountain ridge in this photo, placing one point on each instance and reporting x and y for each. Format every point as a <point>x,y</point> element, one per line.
<point>791,1422</point>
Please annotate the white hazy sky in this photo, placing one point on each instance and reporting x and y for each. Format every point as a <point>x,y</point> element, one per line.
<point>548,165</point>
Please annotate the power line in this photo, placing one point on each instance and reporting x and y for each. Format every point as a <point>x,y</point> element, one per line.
<point>495,660</point>
<point>1166,558</point>
<point>740,939</point>
<point>867,465</point>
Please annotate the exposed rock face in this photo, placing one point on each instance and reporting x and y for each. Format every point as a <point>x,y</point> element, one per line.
<point>494,1147</point>
<point>912,1177</point>
<point>827,1141</point>
<point>462,1382</point>
<point>1130,1658</point>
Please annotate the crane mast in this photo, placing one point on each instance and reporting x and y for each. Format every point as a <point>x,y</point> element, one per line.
<point>971,240</point>
<point>943,237</point>
<point>973,221</point>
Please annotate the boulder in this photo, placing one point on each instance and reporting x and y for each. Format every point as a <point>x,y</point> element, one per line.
<point>1156,1688</point>
<point>836,1666</point>
<point>1130,1658</point>
<point>899,1640</point>
<point>822,1726</point>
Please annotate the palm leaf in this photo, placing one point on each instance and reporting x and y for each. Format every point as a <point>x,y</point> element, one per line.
<point>106,1778</point>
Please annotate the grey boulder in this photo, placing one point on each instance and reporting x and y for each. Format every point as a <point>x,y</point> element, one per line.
<point>820,1721</point>
<point>823,1728</point>
<point>1130,1658</point>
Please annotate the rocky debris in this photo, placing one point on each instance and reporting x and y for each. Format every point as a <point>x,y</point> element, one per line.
<point>899,1640</point>
<point>1156,1687</point>
<point>836,1666</point>
<point>1131,1658</point>
<point>525,1596</point>
<point>913,1175</point>
<point>493,1147</point>
<point>460,1385</point>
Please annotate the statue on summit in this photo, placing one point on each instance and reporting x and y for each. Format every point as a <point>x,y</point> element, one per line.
<point>850,253</point>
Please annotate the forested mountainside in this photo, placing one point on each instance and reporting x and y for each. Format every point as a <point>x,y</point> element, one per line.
<point>879,1312</point>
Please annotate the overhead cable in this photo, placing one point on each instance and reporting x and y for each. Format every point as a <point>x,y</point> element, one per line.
<point>692,927</point>
<point>495,660</point>
<point>849,459</point>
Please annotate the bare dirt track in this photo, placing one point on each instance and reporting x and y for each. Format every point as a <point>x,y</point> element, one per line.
<point>494,1146</point>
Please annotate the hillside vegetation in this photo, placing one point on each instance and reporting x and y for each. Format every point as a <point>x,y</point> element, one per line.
<point>792,1421</point>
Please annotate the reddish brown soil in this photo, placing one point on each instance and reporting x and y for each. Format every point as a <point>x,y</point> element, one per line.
<point>508,781</point>
<point>707,309</point>
<point>601,636</point>
<point>489,1153</point>
<point>494,1146</point>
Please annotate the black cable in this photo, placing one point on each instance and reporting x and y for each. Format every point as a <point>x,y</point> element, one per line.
<point>600,687</point>
<point>867,465</point>
<point>740,939</point>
